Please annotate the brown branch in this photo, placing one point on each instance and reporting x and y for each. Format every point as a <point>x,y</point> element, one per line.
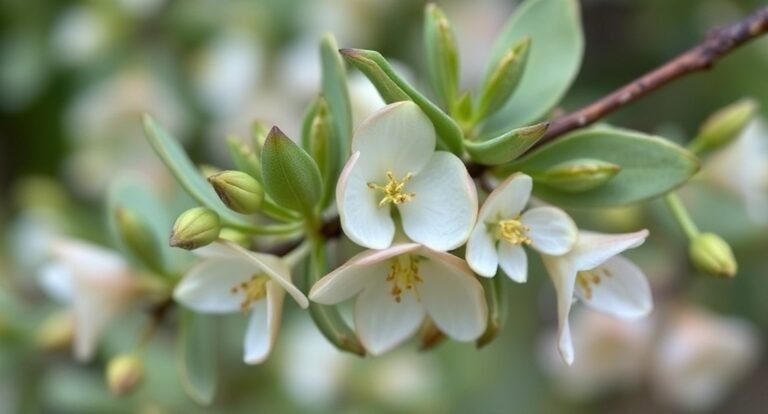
<point>719,42</point>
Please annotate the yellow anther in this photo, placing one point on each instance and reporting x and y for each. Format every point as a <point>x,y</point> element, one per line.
<point>587,280</point>
<point>393,190</point>
<point>254,290</point>
<point>513,231</point>
<point>404,275</point>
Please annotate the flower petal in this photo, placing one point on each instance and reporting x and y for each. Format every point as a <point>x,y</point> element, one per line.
<point>444,210</point>
<point>507,200</point>
<point>453,297</point>
<point>552,231</point>
<point>263,325</point>
<point>358,272</point>
<point>623,290</point>
<point>276,269</point>
<point>513,261</point>
<point>481,251</point>
<point>362,219</point>
<point>593,249</point>
<point>380,321</point>
<point>88,259</point>
<point>207,287</point>
<point>56,281</point>
<point>399,138</point>
<point>563,274</point>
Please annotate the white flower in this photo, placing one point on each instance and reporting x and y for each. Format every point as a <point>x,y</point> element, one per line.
<point>398,287</point>
<point>701,357</point>
<point>604,281</point>
<point>502,231</point>
<point>230,279</point>
<point>96,282</point>
<point>394,163</point>
<point>742,168</point>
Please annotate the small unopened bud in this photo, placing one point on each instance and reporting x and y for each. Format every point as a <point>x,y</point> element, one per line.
<point>238,190</point>
<point>195,228</point>
<point>138,237</point>
<point>124,373</point>
<point>578,175</point>
<point>722,127</point>
<point>712,255</point>
<point>56,332</point>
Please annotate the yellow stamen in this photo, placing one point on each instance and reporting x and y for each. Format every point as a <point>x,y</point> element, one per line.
<point>404,275</point>
<point>587,280</point>
<point>393,190</point>
<point>254,290</point>
<point>513,231</point>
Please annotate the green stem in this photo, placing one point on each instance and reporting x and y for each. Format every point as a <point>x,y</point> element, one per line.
<point>680,213</point>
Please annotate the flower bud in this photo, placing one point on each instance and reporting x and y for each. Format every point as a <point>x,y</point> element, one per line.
<point>502,82</point>
<point>195,228</point>
<point>124,373</point>
<point>138,237</point>
<point>722,127</point>
<point>56,332</point>
<point>712,255</point>
<point>442,54</point>
<point>578,175</point>
<point>238,190</point>
<point>319,135</point>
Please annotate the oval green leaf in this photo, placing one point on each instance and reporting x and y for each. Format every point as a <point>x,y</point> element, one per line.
<point>197,353</point>
<point>555,29</point>
<point>650,166</point>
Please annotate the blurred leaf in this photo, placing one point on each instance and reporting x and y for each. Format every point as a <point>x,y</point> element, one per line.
<point>504,79</point>
<point>724,126</point>
<point>507,146</point>
<point>291,176</point>
<point>198,355</point>
<point>650,166</point>
<point>334,90</point>
<point>442,55</point>
<point>244,158</point>
<point>497,308</point>
<point>554,27</point>
<point>380,72</point>
<point>579,175</point>
<point>318,139</point>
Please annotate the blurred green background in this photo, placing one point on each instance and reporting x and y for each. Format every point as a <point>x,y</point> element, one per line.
<point>76,76</point>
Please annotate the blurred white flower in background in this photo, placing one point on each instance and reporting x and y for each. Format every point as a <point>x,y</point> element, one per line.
<point>80,34</point>
<point>742,168</point>
<point>701,356</point>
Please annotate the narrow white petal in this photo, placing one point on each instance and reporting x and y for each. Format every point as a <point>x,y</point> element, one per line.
<point>593,249</point>
<point>623,290</point>
<point>358,272</point>
<point>263,325</point>
<point>481,252</point>
<point>218,249</point>
<point>380,321</point>
<point>276,269</point>
<point>362,219</point>
<point>563,275</point>
<point>56,281</point>
<point>552,231</point>
<point>87,258</point>
<point>398,138</point>
<point>508,199</point>
<point>513,261</point>
<point>207,287</point>
<point>444,210</point>
<point>453,297</point>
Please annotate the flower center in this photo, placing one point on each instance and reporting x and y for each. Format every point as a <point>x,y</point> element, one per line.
<point>513,231</point>
<point>253,289</point>
<point>588,279</point>
<point>394,190</point>
<point>404,275</point>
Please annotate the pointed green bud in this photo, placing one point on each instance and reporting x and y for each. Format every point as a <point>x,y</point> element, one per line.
<point>244,158</point>
<point>442,54</point>
<point>722,127</point>
<point>124,374</point>
<point>138,238</point>
<point>196,227</point>
<point>238,191</point>
<point>579,175</point>
<point>712,255</point>
<point>507,146</point>
<point>291,176</point>
<point>504,79</point>
<point>320,131</point>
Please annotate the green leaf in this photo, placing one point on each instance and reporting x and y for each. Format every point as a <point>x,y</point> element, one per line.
<point>380,72</point>
<point>318,139</point>
<point>554,27</point>
<point>506,147</point>
<point>336,94</point>
<point>724,126</point>
<point>650,166</point>
<point>497,308</point>
<point>197,355</point>
<point>442,55</point>
<point>173,155</point>
<point>291,176</point>
<point>502,82</point>
<point>244,158</point>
